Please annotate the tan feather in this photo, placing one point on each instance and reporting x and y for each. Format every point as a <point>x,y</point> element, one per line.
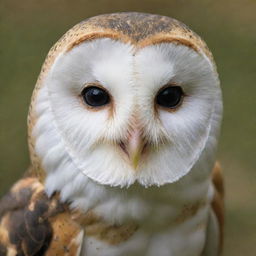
<point>218,199</point>
<point>33,224</point>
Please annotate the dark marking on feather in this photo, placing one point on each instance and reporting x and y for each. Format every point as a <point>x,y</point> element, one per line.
<point>25,215</point>
<point>137,26</point>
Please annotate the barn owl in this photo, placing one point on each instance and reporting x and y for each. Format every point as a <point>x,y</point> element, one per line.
<point>123,129</point>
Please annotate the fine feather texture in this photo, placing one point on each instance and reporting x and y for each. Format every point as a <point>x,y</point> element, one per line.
<point>33,224</point>
<point>89,139</point>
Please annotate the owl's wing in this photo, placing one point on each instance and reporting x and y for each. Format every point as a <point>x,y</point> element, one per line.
<point>32,224</point>
<point>214,238</point>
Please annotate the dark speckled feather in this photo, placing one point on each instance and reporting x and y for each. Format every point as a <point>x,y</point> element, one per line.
<point>27,218</point>
<point>137,26</point>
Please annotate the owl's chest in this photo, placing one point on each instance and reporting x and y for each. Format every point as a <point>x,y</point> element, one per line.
<point>148,225</point>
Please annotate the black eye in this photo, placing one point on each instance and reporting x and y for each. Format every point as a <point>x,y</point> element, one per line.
<point>95,96</point>
<point>170,97</point>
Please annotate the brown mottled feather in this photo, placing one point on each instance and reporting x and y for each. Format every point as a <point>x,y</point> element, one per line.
<point>218,200</point>
<point>33,224</point>
<point>112,234</point>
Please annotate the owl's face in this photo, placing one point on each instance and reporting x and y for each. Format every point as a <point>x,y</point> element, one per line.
<point>125,114</point>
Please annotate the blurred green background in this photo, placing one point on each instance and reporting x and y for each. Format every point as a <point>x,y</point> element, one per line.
<point>29,28</point>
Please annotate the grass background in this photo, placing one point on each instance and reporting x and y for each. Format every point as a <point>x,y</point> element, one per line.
<point>29,28</point>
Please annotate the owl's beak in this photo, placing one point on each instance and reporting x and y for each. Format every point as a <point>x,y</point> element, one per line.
<point>135,147</point>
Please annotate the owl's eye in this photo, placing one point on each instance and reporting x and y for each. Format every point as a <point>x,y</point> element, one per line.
<point>170,97</point>
<point>95,96</point>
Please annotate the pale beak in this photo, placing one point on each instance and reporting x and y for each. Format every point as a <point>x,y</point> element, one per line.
<point>135,146</point>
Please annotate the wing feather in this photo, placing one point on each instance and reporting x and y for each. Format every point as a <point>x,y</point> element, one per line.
<point>33,224</point>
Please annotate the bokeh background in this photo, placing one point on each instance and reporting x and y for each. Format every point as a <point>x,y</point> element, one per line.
<point>28,29</point>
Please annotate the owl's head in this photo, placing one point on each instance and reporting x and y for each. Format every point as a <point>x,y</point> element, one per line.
<point>125,98</point>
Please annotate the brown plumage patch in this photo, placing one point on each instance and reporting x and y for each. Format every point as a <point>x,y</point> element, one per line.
<point>111,234</point>
<point>139,29</point>
<point>218,200</point>
<point>189,211</point>
<point>96,227</point>
<point>64,228</point>
<point>30,222</point>
<point>136,26</point>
